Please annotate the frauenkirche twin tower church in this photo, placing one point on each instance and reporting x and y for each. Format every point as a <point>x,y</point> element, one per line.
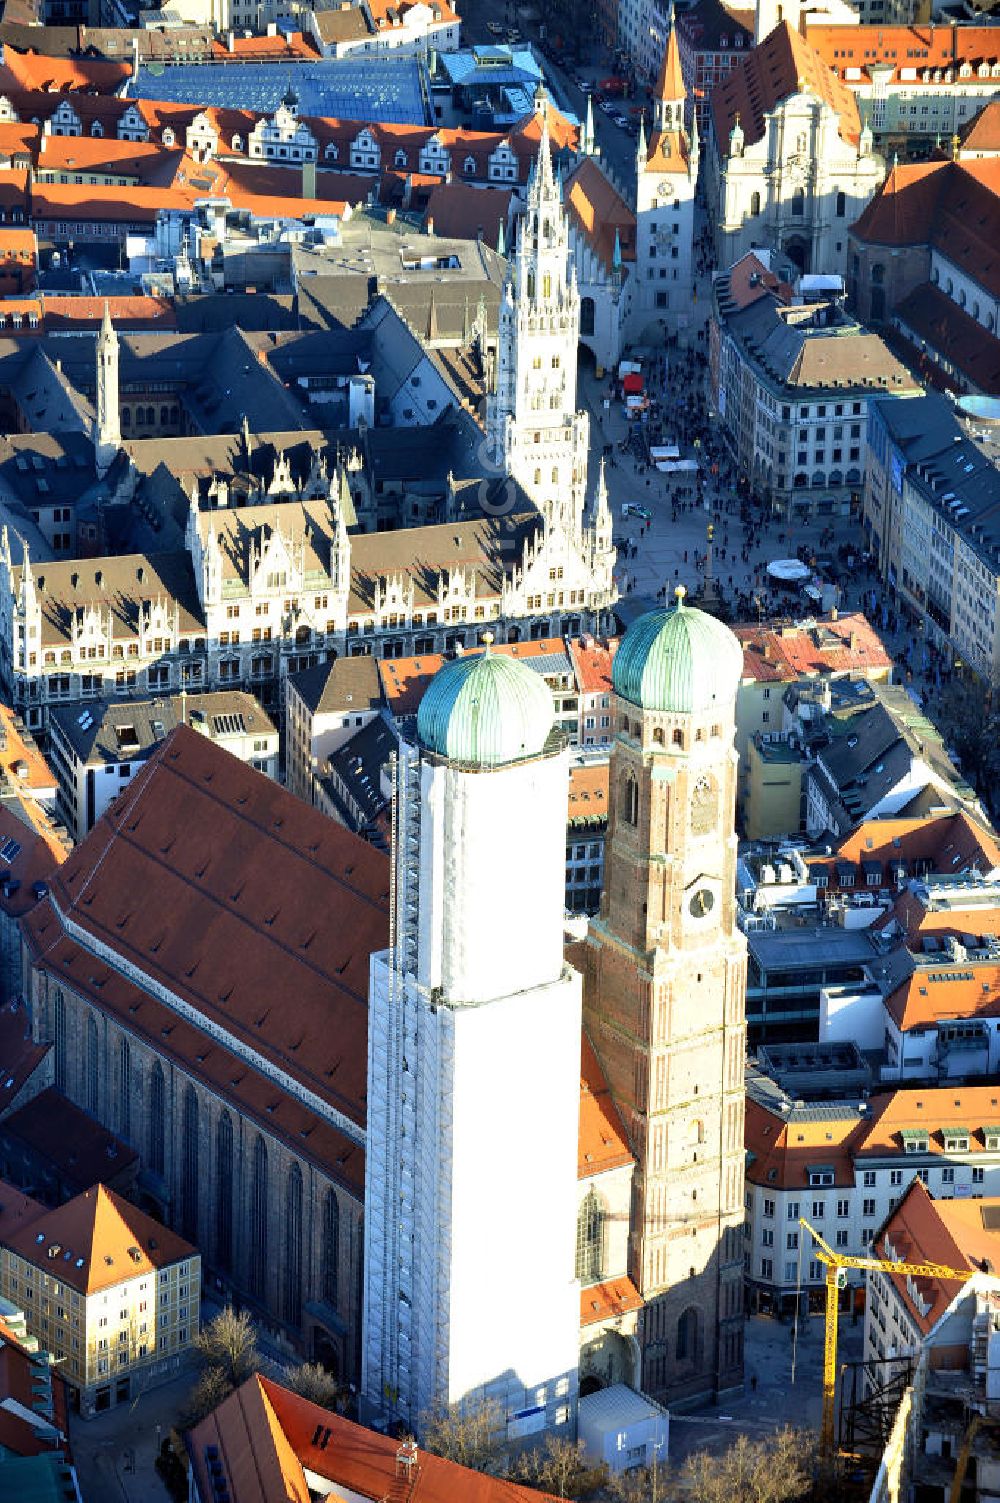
<point>481,1254</point>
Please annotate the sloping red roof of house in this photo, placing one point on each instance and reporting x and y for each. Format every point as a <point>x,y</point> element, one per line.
<point>602,1141</point>
<point>849,644</point>
<point>967,990</point>
<point>609,1300</point>
<point>267,1439</point>
<point>951,1233</point>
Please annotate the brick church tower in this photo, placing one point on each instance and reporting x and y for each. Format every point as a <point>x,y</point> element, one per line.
<point>664,982</point>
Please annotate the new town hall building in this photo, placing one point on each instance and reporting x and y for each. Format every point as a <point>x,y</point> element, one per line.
<point>272,575</point>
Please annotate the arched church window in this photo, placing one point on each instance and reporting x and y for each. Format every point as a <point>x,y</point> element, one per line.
<point>155,1143</point>
<point>704,806</point>
<point>93,1068</point>
<point>630,800</point>
<point>59,1039</point>
<point>555,474</point>
<point>841,204</point>
<point>591,1226</point>
<point>799,202</point>
<point>531,284</point>
<point>331,1248</point>
<point>538,477</point>
<point>688,1335</point>
<point>546,285</point>
<point>258,1218</point>
<point>755,203</point>
<point>189,1177</point>
<point>124,1088</point>
<point>587,316</point>
<point>224,1192</point>
<point>678,738</point>
<point>293,1246</point>
<point>658,735</point>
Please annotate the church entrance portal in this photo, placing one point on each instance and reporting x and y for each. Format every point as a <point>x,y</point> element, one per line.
<point>797,250</point>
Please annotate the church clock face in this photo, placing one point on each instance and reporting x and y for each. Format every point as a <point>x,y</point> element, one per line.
<point>701,902</point>
<point>665,190</point>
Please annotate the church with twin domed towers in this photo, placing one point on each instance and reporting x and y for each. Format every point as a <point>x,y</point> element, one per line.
<point>493,1229</point>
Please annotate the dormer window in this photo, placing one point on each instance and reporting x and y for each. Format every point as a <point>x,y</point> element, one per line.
<point>914,1139</point>
<point>820,1174</point>
<point>956,1139</point>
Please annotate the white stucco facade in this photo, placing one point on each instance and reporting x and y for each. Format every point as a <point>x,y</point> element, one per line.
<point>795,189</point>
<point>473,1104</point>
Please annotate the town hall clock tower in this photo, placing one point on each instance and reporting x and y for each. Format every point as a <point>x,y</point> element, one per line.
<point>664,983</point>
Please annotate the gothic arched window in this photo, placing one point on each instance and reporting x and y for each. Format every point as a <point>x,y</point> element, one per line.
<point>124,1088</point>
<point>258,1218</point>
<point>93,1067</point>
<point>154,1146</point>
<point>224,1191</point>
<point>630,800</point>
<point>704,807</point>
<point>189,1167</point>
<point>841,204</point>
<point>591,1226</point>
<point>755,203</point>
<point>688,1335</point>
<point>293,1246</point>
<point>59,1035</point>
<point>587,316</point>
<point>546,285</point>
<point>799,202</point>
<point>331,1248</point>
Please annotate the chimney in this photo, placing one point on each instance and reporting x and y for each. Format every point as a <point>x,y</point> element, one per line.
<point>429,224</point>
<point>854,641</point>
<point>230,41</point>
<point>390,217</point>
<point>834,613</point>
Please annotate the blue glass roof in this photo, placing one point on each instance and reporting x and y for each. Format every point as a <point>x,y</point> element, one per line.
<point>373,89</point>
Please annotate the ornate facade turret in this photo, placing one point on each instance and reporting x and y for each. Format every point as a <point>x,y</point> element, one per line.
<point>533,428</point>
<point>107,433</point>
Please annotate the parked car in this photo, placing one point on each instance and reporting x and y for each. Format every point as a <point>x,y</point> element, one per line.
<point>621,122</point>
<point>606,106</point>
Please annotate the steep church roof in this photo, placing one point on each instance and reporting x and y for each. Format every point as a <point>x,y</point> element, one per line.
<point>670,84</point>
<point>782,65</point>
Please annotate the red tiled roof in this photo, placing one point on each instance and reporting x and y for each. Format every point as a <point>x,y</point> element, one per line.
<point>598,211</point>
<point>936,323</point>
<point>588,791</point>
<point>946,844</point>
<point>110,1240</point>
<point>593,664</point>
<point>20,1056</point>
<point>255,910</point>
<point>907,50</point>
<point>463,211</point>
<point>982,132</point>
<point>950,1233</point>
<point>781,1153</point>
<point>781,65</point>
<point>967,990</point>
<point>848,644</point>
<point>602,1141</point>
<point>267,1439</point>
<point>607,1301</point>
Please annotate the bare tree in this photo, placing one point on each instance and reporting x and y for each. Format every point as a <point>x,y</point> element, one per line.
<point>560,1467</point>
<point>229,1342</point>
<point>470,1435</point>
<point>644,1484</point>
<point>208,1392</point>
<point>312,1381</point>
<point>775,1470</point>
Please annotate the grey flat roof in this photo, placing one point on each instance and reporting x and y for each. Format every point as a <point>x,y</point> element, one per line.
<point>805,949</point>
<point>374,89</point>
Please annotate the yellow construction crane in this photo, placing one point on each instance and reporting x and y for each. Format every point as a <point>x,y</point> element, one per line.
<point>837,1265</point>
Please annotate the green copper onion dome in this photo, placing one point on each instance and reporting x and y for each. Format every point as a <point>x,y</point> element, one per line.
<point>678,660</point>
<point>486,710</point>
